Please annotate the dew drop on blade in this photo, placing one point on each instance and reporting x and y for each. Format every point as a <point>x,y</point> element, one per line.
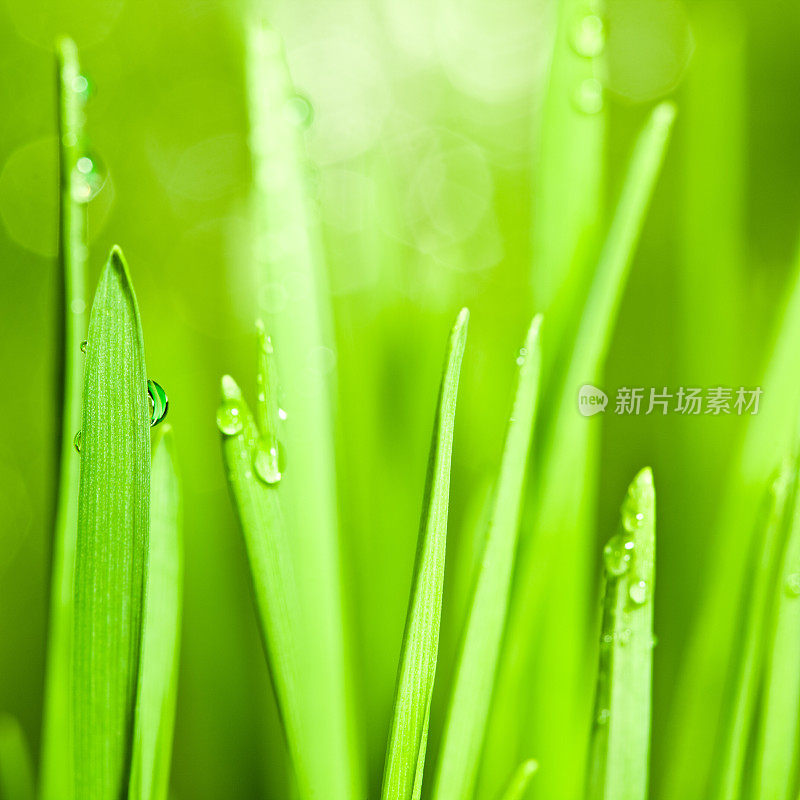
<point>77,442</point>
<point>159,402</point>
<point>588,37</point>
<point>617,555</point>
<point>638,592</point>
<point>793,584</point>
<point>84,345</point>
<point>268,462</point>
<point>229,418</point>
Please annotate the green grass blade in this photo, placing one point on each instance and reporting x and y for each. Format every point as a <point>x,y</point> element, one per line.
<point>113,523</point>
<point>564,510</point>
<point>288,254</point>
<point>56,780</point>
<point>467,715</point>
<point>158,676</point>
<point>731,763</point>
<point>405,754</point>
<point>777,749</point>
<point>620,748</point>
<point>16,767</point>
<point>520,780</point>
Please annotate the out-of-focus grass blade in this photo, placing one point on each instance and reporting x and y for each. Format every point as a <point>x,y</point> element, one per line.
<point>405,754</point>
<point>564,488</point>
<point>113,523</point>
<point>16,767</point>
<point>465,727</point>
<point>56,780</point>
<point>777,749</point>
<point>520,780</point>
<point>288,255</point>
<point>620,749</point>
<point>730,763</point>
<point>158,676</point>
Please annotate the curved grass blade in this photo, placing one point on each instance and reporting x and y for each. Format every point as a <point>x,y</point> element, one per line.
<point>467,715</point>
<point>56,780</point>
<point>557,687</point>
<point>16,767</point>
<point>113,524</point>
<point>520,780</point>
<point>620,748</point>
<point>158,675</point>
<point>408,737</point>
<point>287,250</point>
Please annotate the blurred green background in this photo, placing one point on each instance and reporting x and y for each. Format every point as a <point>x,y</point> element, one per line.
<point>420,127</point>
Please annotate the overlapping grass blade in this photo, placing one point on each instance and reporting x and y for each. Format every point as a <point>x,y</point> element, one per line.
<point>158,675</point>
<point>520,780</point>
<point>477,665</point>
<point>730,763</point>
<point>56,781</point>
<point>16,766</point>
<point>620,749</point>
<point>287,255</point>
<point>405,754</point>
<point>551,605</point>
<point>113,524</point>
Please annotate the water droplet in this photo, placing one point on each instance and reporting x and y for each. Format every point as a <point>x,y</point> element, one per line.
<point>88,179</point>
<point>588,96</point>
<point>603,715</point>
<point>299,111</point>
<point>793,584</point>
<point>84,345</point>
<point>608,638</point>
<point>282,414</point>
<point>268,462</point>
<point>229,418</point>
<point>653,640</point>
<point>638,592</point>
<point>83,86</point>
<point>617,555</point>
<point>77,442</point>
<point>159,402</point>
<point>77,306</point>
<point>632,519</point>
<point>623,637</point>
<point>589,37</point>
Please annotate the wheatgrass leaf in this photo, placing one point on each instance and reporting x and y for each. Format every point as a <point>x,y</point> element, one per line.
<point>16,766</point>
<point>520,780</point>
<point>620,748</point>
<point>56,781</point>
<point>158,673</point>
<point>113,524</point>
<point>405,754</point>
<point>467,714</point>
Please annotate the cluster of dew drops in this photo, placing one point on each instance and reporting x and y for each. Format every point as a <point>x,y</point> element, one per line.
<point>89,176</point>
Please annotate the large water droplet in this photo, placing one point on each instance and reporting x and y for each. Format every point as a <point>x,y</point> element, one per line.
<point>77,442</point>
<point>88,179</point>
<point>638,592</point>
<point>793,584</point>
<point>589,38</point>
<point>84,345</point>
<point>299,111</point>
<point>159,402</point>
<point>588,96</point>
<point>268,462</point>
<point>617,555</point>
<point>229,418</point>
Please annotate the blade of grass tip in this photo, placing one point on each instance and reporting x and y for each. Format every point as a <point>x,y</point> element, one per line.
<point>158,673</point>
<point>730,762</point>
<point>405,754</point>
<point>113,524</point>
<point>620,747</point>
<point>16,767</point>
<point>565,490</point>
<point>254,481</point>
<point>56,781</point>
<point>520,780</point>
<point>692,727</point>
<point>777,747</point>
<point>465,726</point>
<point>288,255</point>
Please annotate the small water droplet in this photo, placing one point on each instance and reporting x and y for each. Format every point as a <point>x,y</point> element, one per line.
<point>653,640</point>
<point>159,402</point>
<point>617,555</point>
<point>632,519</point>
<point>588,96</point>
<point>623,637</point>
<point>638,592</point>
<point>229,418</point>
<point>83,86</point>
<point>89,177</point>
<point>299,111</point>
<point>608,638</point>
<point>268,462</point>
<point>793,584</point>
<point>282,414</point>
<point>603,715</point>
<point>77,442</point>
<point>84,345</point>
<point>589,38</point>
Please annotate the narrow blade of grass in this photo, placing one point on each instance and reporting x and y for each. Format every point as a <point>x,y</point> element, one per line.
<point>467,715</point>
<point>405,754</point>
<point>561,527</point>
<point>520,780</point>
<point>158,675</point>
<point>288,255</point>
<point>56,780</point>
<point>113,523</point>
<point>730,764</point>
<point>620,749</point>
<point>16,767</point>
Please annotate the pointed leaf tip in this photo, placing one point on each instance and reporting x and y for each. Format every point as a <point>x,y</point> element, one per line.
<point>229,388</point>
